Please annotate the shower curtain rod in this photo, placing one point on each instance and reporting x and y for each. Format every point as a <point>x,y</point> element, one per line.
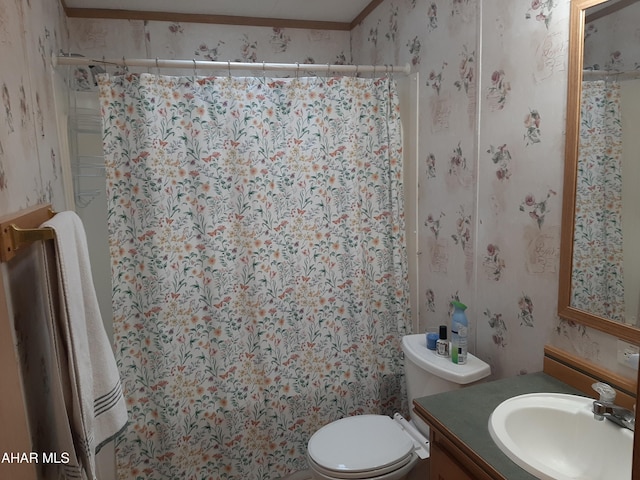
<point>617,74</point>
<point>208,65</point>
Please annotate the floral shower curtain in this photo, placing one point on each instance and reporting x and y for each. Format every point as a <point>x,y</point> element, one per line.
<point>259,271</point>
<point>597,279</point>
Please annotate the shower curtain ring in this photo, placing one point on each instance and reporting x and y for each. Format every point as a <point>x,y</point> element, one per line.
<point>229,67</point>
<point>374,70</point>
<point>195,67</point>
<point>328,69</point>
<point>297,69</point>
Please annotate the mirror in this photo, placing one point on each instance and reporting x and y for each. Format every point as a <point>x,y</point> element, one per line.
<point>600,243</point>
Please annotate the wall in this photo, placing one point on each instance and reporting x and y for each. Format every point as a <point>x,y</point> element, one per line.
<point>611,42</point>
<point>30,168</point>
<point>140,39</point>
<point>30,173</point>
<point>491,152</point>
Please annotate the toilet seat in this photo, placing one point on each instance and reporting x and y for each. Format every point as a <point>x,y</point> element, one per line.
<point>389,474</point>
<point>361,447</point>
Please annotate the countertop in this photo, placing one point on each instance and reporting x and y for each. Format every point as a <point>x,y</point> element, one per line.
<point>465,412</point>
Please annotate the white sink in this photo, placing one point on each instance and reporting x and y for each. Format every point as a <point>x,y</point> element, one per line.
<point>555,437</point>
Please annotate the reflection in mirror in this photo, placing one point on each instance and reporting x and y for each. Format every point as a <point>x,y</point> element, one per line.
<point>606,260</point>
<point>600,254</point>
<point>606,267</point>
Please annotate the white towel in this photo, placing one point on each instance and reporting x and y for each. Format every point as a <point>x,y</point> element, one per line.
<point>97,408</point>
<point>62,437</point>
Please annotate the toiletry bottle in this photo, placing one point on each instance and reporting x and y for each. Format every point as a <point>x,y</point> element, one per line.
<point>432,339</point>
<point>442,345</point>
<point>459,329</point>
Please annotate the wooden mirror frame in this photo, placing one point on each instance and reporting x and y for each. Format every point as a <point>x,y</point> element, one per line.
<point>574,91</point>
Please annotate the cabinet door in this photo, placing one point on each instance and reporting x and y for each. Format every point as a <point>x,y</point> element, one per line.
<point>445,467</point>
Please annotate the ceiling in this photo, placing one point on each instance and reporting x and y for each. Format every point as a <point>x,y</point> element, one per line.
<point>344,12</point>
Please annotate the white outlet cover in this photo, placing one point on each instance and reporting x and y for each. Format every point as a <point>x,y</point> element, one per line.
<point>626,349</point>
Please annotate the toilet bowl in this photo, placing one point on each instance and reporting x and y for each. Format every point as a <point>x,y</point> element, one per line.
<point>377,447</point>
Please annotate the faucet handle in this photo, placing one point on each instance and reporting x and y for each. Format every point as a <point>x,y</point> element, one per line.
<point>606,392</point>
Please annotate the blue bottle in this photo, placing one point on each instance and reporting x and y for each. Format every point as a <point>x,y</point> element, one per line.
<point>459,331</point>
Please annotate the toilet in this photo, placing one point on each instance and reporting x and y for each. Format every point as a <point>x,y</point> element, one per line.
<point>377,447</point>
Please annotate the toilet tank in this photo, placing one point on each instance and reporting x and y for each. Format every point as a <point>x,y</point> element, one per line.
<point>427,373</point>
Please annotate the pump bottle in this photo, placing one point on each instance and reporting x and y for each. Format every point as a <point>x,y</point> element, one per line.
<point>459,331</point>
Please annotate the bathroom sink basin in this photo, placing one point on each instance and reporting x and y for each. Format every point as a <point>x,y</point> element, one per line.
<point>555,437</point>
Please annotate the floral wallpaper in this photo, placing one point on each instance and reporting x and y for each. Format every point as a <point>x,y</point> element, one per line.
<point>611,42</point>
<point>151,39</point>
<point>30,168</point>
<point>491,167</point>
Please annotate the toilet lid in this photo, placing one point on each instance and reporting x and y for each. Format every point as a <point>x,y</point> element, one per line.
<point>359,443</point>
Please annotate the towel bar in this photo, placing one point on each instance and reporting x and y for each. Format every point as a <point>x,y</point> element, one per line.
<point>17,232</point>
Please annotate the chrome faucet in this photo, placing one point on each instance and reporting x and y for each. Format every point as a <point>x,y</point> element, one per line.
<point>605,408</point>
<point>619,415</point>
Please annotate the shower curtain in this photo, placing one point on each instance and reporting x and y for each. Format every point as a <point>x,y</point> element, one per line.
<point>597,278</point>
<point>259,271</point>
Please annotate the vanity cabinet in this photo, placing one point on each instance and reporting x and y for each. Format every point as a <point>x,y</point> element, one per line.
<point>448,462</point>
<point>461,445</point>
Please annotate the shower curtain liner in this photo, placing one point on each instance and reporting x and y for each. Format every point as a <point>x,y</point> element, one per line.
<point>260,285</point>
